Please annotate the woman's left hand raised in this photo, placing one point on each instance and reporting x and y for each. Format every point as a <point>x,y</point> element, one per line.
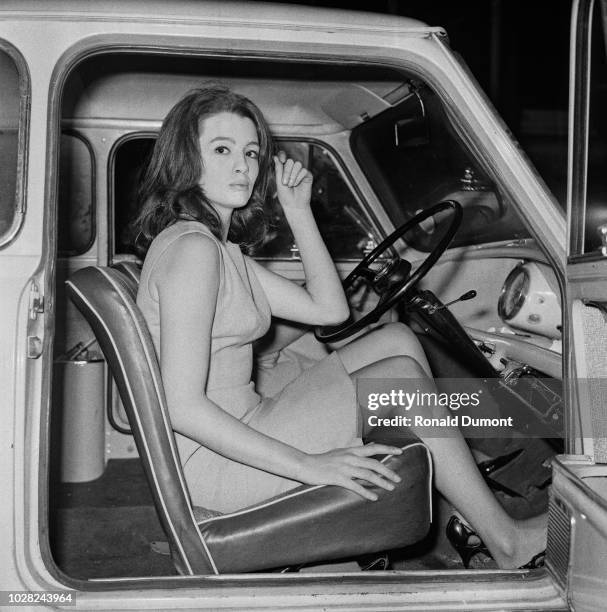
<point>293,182</point>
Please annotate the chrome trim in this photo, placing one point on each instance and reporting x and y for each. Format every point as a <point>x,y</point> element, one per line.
<point>520,300</point>
<point>579,105</point>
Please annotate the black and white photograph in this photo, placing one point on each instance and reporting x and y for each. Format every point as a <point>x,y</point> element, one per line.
<point>303,305</point>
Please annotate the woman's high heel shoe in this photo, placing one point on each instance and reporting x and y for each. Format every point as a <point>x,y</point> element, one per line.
<point>468,544</point>
<point>465,541</point>
<point>536,562</point>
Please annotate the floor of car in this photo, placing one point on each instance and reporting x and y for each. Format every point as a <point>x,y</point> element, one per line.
<point>105,528</point>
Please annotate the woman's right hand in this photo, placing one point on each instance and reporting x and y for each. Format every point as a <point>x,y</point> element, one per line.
<point>345,466</point>
<point>293,182</point>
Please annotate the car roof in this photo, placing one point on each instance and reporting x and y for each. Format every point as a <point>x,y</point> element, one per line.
<point>196,10</point>
<point>316,105</point>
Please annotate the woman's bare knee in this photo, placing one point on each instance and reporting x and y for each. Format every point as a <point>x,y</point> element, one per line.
<point>392,340</point>
<point>399,366</point>
<point>396,338</point>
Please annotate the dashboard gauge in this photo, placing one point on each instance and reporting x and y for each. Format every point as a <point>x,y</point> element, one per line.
<point>530,300</point>
<point>514,292</point>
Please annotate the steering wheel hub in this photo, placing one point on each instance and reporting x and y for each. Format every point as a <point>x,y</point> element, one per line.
<point>396,270</point>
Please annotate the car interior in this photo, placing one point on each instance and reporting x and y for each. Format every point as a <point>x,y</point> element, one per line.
<point>386,152</point>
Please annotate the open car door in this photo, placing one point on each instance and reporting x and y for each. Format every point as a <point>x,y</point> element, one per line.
<point>587,219</point>
<point>584,488</point>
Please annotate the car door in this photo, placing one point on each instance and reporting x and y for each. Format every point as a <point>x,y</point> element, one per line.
<point>587,218</point>
<point>583,489</point>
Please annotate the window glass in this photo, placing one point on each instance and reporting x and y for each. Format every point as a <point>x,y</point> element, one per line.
<point>341,221</point>
<point>415,159</point>
<point>129,163</point>
<point>344,227</point>
<point>76,209</point>
<point>9,140</point>
<point>596,195</point>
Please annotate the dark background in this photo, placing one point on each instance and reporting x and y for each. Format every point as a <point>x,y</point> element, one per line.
<point>518,50</point>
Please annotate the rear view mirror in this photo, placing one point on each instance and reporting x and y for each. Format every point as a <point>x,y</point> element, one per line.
<point>411,130</point>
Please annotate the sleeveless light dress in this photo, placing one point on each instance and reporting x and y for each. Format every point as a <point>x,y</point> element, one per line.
<point>316,412</point>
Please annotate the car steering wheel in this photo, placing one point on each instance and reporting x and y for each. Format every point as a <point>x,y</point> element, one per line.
<point>394,279</point>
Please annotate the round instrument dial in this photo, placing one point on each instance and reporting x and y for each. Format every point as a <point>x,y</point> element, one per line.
<point>514,292</point>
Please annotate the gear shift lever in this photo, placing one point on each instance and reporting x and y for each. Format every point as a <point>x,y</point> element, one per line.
<point>432,308</point>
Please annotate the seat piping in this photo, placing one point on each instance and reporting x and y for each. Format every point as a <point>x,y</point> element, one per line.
<point>267,504</point>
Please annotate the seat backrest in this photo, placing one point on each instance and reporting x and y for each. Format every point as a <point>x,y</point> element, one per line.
<point>107,301</point>
<point>131,272</point>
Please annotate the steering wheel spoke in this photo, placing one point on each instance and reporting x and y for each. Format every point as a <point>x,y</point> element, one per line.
<point>394,279</point>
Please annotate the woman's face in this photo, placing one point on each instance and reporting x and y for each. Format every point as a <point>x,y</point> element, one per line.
<point>229,148</point>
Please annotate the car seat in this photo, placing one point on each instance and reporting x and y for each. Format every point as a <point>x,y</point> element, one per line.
<point>304,525</point>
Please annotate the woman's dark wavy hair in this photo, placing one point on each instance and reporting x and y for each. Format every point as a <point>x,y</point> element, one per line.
<point>170,188</point>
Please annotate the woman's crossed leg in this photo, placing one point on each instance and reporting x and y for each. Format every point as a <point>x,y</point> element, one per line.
<point>393,352</point>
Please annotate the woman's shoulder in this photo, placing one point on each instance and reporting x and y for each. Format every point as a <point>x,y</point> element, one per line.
<point>182,227</point>
<point>181,235</point>
<point>182,247</point>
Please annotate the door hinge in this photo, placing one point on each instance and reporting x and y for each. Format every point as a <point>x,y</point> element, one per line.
<point>34,347</point>
<point>36,301</point>
<point>35,307</point>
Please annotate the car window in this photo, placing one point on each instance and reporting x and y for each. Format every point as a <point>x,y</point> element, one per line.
<point>595,226</point>
<point>12,125</point>
<point>587,193</point>
<point>76,229</point>
<point>414,159</point>
<point>130,159</point>
<point>341,219</point>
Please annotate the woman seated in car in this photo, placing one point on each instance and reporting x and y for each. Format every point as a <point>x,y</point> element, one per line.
<point>206,302</point>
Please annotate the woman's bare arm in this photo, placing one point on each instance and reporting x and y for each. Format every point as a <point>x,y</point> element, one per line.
<point>322,300</point>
